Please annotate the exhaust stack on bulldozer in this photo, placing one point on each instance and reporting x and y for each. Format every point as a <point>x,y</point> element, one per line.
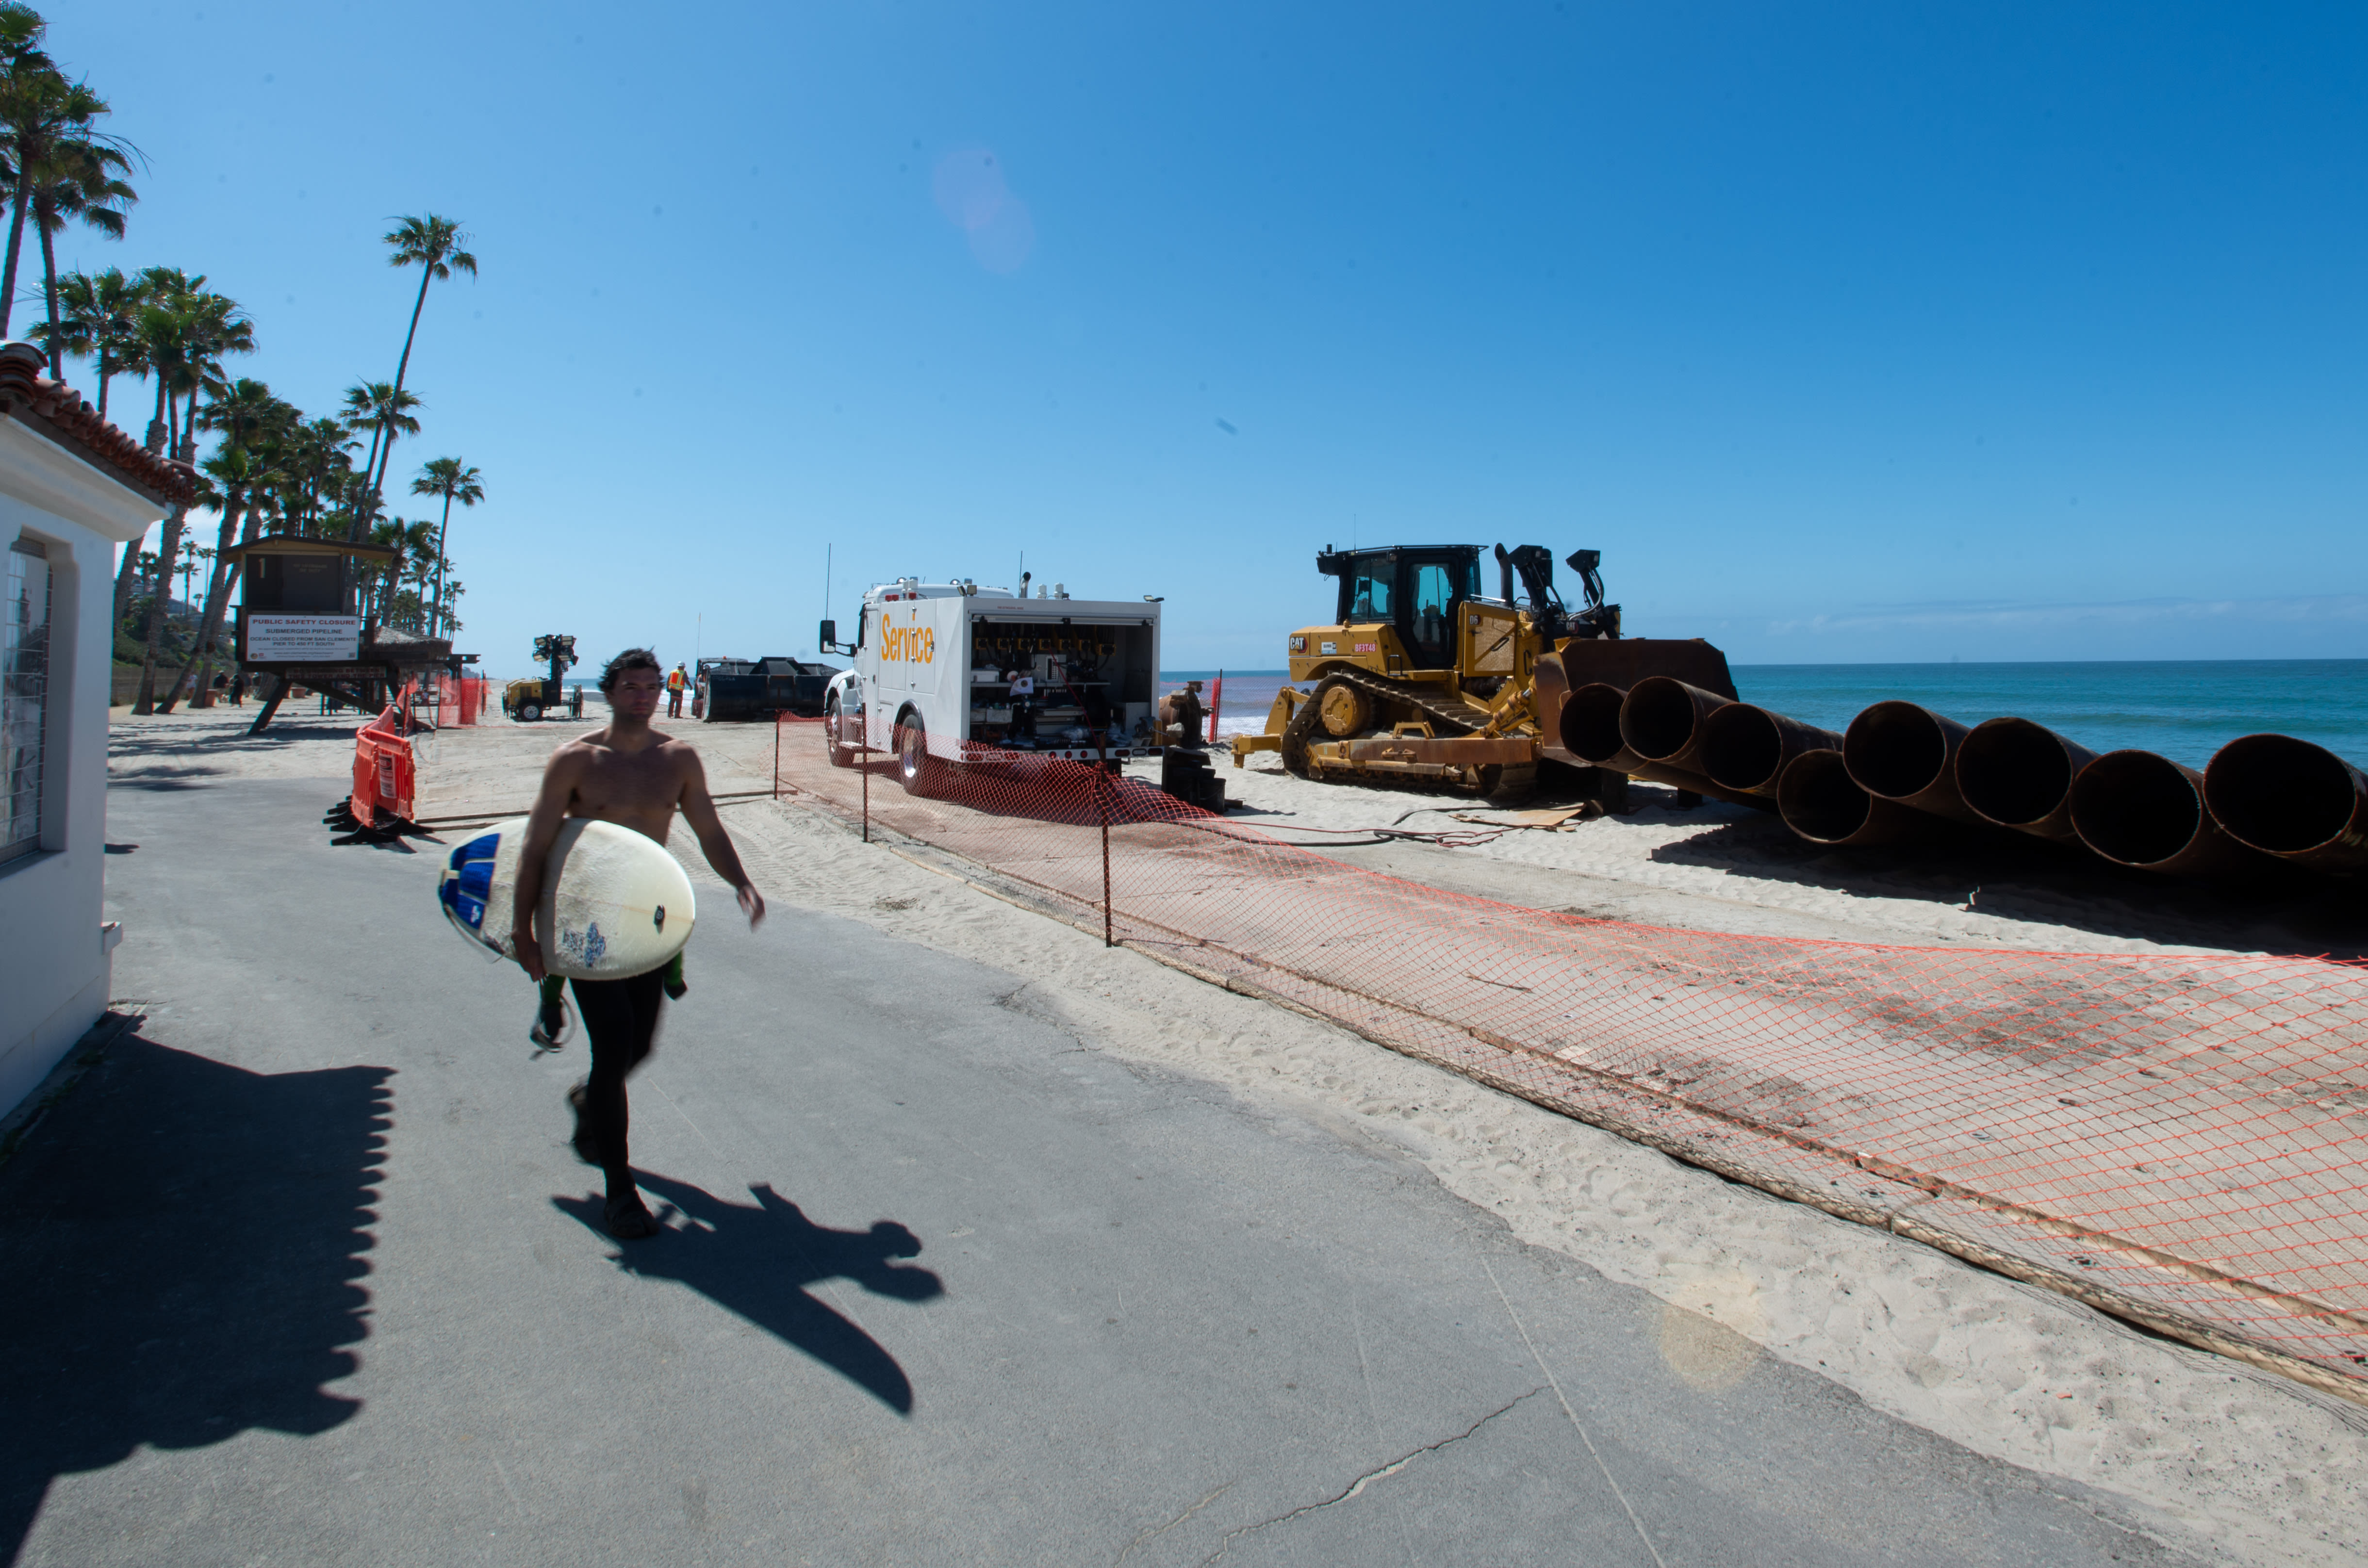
<point>1423,679</point>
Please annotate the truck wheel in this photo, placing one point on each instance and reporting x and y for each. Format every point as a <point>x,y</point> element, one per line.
<point>918,771</point>
<point>530,711</point>
<point>834,725</point>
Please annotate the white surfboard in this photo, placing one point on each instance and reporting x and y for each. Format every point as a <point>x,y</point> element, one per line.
<point>614,904</point>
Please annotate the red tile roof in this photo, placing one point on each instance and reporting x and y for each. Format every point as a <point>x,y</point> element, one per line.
<point>59,413</point>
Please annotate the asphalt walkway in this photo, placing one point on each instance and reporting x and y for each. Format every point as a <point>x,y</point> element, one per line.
<point>304,1272</point>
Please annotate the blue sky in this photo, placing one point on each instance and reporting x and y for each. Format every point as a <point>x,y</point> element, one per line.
<point>1846,333</point>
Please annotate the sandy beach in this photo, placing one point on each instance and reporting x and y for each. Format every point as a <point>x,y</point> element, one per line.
<point>2273,1471</point>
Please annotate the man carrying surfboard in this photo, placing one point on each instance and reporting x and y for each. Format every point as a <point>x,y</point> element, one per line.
<point>628,774</point>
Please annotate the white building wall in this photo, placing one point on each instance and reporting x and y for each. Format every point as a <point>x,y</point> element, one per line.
<point>55,966</point>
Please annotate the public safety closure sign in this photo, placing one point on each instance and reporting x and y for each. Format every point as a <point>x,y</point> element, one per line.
<point>301,639</point>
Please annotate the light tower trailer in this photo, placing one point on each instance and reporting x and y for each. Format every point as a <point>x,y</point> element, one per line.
<point>935,664</point>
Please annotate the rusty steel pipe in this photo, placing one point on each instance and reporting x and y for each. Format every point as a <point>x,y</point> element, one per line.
<point>2288,798</point>
<point>1820,801</point>
<point>1662,718</point>
<point>2019,775</point>
<point>1589,725</point>
<point>1902,752</point>
<point>2138,809</point>
<point>1590,732</point>
<point>1747,747</point>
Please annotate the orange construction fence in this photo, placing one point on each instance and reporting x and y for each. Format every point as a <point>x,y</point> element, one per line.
<point>443,700</point>
<point>2182,1140</point>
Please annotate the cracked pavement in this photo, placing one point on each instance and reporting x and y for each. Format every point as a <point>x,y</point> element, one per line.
<point>306,1272</point>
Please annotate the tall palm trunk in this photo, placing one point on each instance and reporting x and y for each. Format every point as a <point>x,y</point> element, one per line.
<point>425,274</point>
<point>363,512</point>
<point>157,428</point>
<point>15,242</point>
<point>103,374</point>
<point>435,615</point>
<point>165,551</point>
<point>127,579</point>
<point>209,625</point>
<point>378,483</point>
<point>50,295</point>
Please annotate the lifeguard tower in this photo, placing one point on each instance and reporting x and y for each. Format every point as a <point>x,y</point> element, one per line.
<point>294,623</point>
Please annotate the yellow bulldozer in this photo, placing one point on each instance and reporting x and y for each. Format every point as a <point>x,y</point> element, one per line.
<point>1423,679</point>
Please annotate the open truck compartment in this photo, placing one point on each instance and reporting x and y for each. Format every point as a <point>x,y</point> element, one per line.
<point>1093,676</point>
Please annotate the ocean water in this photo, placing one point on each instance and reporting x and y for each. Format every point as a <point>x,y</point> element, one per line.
<point>2184,710</point>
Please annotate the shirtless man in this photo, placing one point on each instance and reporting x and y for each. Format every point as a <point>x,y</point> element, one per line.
<point>630,774</point>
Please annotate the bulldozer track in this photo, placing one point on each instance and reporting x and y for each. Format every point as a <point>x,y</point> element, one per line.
<point>1513,785</point>
<point>1465,718</point>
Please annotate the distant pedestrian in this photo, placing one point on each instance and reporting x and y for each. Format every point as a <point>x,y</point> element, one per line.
<point>676,683</point>
<point>238,691</point>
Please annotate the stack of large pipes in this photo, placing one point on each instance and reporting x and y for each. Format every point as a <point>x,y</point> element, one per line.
<point>1902,772</point>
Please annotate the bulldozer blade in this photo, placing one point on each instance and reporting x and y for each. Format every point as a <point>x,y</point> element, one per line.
<point>1447,751</point>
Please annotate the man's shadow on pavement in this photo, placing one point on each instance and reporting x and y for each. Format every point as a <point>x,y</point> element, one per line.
<point>757,1261</point>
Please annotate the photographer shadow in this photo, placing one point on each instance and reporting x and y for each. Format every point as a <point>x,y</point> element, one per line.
<point>186,1242</point>
<point>757,1261</point>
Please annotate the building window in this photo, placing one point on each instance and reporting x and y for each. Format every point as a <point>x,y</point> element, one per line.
<point>24,697</point>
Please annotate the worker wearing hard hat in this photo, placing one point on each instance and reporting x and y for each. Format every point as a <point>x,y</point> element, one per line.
<point>677,682</point>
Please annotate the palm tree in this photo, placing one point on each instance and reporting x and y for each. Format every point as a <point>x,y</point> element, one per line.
<point>385,410</point>
<point>98,319</point>
<point>420,553</point>
<point>432,243</point>
<point>40,113</point>
<point>243,411</point>
<point>379,577</point>
<point>29,80</point>
<point>317,457</point>
<point>185,333</point>
<point>78,179</point>
<point>454,480</point>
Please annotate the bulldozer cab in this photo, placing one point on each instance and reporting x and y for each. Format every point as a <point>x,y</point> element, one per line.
<point>1416,589</point>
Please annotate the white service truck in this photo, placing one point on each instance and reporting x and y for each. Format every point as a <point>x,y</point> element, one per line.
<point>943,671</point>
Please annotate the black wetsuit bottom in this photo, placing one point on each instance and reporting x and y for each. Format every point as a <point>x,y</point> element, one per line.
<point>621,1019</point>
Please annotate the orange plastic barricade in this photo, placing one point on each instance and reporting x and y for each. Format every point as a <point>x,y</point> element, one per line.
<point>386,776</point>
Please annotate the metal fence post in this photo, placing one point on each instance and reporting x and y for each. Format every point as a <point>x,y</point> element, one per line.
<point>1101,805</point>
<point>863,763</point>
<point>777,754</point>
